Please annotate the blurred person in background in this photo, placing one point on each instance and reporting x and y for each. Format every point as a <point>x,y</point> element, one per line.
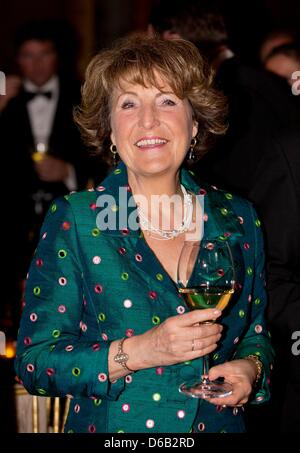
<point>273,39</point>
<point>276,194</point>
<point>284,61</point>
<point>259,159</point>
<point>258,105</point>
<point>41,147</point>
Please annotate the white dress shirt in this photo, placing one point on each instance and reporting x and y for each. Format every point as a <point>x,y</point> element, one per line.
<point>41,112</point>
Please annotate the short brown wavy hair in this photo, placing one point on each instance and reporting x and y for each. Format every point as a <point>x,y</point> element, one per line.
<point>138,59</point>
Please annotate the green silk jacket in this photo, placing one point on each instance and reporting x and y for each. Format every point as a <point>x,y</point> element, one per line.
<point>88,286</point>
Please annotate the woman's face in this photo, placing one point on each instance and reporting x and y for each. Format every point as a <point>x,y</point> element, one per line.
<point>152,128</point>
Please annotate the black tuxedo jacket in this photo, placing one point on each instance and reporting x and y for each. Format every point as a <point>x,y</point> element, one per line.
<point>276,194</point>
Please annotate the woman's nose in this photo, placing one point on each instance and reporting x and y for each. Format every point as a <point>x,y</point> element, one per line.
<point>148,117</point>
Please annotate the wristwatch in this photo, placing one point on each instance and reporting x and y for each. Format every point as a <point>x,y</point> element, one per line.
<point>121,357</point>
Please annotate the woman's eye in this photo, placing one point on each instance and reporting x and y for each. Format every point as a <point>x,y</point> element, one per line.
<point>127,105</point>
<point>168,102</point>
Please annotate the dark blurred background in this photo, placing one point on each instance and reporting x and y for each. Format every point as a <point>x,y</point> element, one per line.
<point>83,25</point>
<point>87,25</point>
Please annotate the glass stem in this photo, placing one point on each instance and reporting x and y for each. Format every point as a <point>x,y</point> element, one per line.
<point>205,368</point>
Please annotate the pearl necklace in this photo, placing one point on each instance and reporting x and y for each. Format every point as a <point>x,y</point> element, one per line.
<point>170,234</point>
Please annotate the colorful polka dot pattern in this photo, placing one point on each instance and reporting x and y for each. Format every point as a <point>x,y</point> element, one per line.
<point>88,287</point>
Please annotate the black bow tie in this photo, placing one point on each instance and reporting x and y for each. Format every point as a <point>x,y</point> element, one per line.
<point>29,95</point>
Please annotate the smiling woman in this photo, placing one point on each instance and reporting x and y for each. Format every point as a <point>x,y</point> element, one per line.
<point>103,308</point>
<point>152,128</point>
<point>171,68</point>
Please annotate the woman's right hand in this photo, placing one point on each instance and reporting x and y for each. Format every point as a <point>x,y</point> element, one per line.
<point>178,339</point>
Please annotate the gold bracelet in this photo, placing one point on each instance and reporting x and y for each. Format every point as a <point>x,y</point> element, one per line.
<point>121,358</point>
<point>259,367</point>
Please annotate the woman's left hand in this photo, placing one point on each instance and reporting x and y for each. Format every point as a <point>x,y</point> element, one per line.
<point>241,374</point>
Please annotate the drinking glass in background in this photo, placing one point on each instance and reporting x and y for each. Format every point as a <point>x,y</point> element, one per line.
<point>40,150</point>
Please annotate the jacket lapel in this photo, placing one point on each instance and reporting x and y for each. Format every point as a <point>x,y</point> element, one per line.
<point>24,122</point>
<point>220,220</point>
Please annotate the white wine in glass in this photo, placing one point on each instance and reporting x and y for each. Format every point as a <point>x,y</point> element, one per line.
<point>216,297</point>
<point>206,279</point>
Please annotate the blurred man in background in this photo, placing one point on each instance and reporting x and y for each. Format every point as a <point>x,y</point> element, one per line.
<point>284,61</point>
<point>42,153</point>
<point>273,39</point>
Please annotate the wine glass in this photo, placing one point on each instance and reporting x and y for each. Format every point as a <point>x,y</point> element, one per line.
<point>40,150</point>
<point>206,279</point>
